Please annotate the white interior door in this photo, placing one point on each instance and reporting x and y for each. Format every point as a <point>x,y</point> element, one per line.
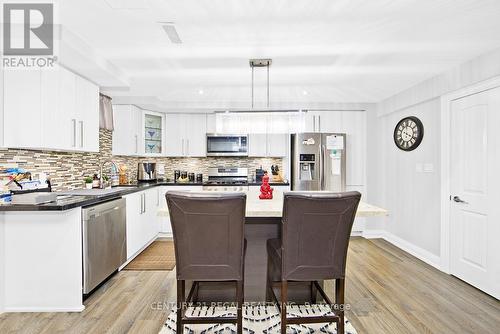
<point>475,170</point>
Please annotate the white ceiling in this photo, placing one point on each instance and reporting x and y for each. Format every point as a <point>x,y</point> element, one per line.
<point>323,51</point>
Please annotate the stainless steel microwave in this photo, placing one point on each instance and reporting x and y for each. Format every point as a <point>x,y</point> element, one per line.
<point>220,145</point>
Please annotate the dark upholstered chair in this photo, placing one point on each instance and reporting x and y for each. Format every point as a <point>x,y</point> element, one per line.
<point>315,235</point>
<point>208,232</point>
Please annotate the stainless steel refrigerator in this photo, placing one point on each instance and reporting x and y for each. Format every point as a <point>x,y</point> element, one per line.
<point>318,161</point>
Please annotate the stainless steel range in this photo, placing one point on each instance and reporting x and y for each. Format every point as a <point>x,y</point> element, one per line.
<point>227,179</point>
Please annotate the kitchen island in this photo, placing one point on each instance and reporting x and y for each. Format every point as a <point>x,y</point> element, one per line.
<point>47,275</point>
<point>263,222</point>
<point>273,208</point>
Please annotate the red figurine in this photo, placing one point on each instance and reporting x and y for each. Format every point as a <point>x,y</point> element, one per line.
<point>266,192</point>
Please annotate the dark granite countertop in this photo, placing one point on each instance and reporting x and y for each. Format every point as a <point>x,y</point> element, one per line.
<point>68,201</point>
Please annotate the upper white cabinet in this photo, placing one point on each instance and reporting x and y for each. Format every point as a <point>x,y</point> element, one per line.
<point>22,109</point>
<point>273,139</point>
<point>126,120</point>
<point>152,133</point>
<point>138,132</point>
<point>186,135</point>
<point>50,109</point>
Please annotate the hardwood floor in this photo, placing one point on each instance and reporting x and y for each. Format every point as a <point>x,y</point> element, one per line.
<point>389,291</point>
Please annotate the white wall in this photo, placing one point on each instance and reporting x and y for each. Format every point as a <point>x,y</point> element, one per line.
<point>396,180</point>
<point>411,182</point>
<point>473,71</point>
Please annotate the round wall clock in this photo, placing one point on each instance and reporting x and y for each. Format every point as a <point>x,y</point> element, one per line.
<point>408,133</point>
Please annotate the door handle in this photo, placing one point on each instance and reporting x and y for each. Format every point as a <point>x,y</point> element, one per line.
<point>74,131</point>
<point>459,200</point>
<point>81,133</point>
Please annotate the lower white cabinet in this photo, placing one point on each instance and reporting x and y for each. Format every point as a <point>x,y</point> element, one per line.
<point>142,223</point>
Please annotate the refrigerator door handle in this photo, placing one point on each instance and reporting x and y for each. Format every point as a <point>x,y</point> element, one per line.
<point>323,162</point>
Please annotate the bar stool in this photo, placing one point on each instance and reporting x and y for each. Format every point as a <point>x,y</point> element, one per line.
<point>316,227</point>
<point>208,232</point>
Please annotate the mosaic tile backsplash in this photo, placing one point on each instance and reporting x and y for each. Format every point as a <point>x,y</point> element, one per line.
<point>67,169</point>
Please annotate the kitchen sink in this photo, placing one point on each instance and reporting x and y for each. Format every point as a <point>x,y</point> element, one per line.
<point>92,192</point>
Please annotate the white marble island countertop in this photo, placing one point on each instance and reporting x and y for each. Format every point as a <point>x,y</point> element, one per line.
<point>273,208</point>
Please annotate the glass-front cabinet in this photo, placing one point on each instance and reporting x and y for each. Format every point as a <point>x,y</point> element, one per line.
<point>153,132</point>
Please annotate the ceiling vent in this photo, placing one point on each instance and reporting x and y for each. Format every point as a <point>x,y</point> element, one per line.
<point>171,32</point>
<point>127,4</point>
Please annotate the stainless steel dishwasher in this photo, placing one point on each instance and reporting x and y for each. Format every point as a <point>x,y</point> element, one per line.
<point>104,241</point>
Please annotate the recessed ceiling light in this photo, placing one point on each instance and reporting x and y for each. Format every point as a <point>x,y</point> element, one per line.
<point>304,92</point>
<point>201,92</point>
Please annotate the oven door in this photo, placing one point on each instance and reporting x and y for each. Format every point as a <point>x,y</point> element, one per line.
<point>227,145</point>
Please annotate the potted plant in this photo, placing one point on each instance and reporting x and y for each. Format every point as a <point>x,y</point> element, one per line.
<point>88,182</point>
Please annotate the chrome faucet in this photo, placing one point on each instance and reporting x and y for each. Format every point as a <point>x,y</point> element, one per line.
<point>101,167</point>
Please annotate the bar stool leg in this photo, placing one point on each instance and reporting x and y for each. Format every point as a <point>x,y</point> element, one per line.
<point>284,300</point>
<point>239,312</point>
<point>339,300</point>
<point>180,305</point>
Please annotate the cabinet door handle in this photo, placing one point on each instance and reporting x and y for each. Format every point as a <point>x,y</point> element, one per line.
<point>319,123</point>
<point>142,206</point>
<point>73,121</point>
<point>182,153</point>
<point>81,133</point>
<point>187,147</point>
<point>136,144</point>
<point>144,200</point>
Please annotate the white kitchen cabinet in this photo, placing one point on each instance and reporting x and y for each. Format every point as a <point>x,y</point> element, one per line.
<point>175,130</point>
<point>186,135</point>
<point>330,121</point>
<point>50,109</point>
<point>196,135</point>
<point>142,226</point>
<point>87,115</point>
<point>152,133</point>
<point>134,212</point>
<point>277,144</point>
<point>22,109</point>
<point>312,121</point>
<point>137,132</point>
<point>125,134</point>
<point>257,145</point>
<point>273,141</point>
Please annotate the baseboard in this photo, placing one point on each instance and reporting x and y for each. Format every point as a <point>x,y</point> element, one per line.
<point>45,309</point>
<point>419,253</point>
<point>373,234</point>
<point>165,235</point>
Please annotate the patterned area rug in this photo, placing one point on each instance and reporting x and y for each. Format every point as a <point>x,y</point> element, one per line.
<point>257,319</point>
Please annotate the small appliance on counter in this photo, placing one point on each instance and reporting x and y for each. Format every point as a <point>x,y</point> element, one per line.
<point>259,173</point>
<point>177,175</point>
<point>146,171</point>
<point>199,178</point>
<point>191,177</point>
